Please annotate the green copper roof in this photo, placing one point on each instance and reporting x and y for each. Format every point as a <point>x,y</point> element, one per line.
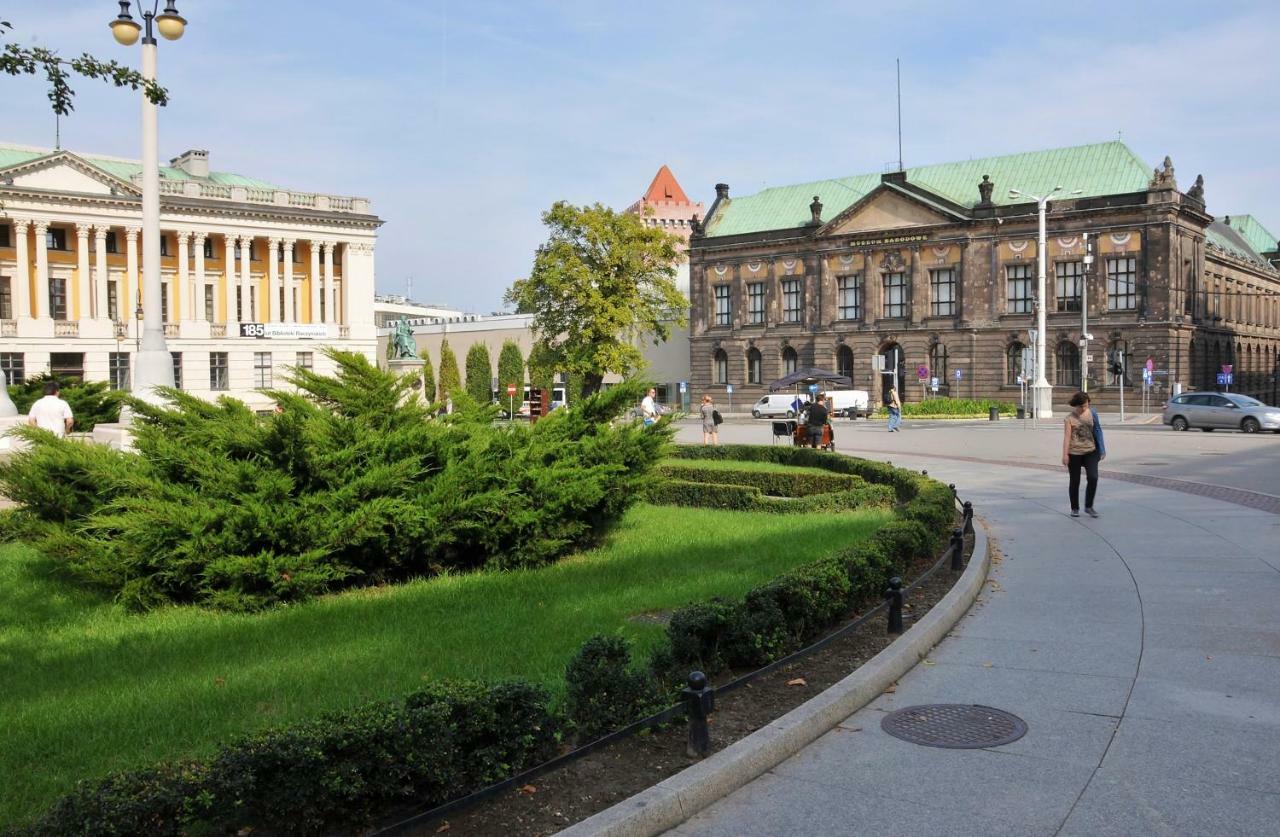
<point>1258,236</point>
<point>126,169</point>
<point>1106,168</point>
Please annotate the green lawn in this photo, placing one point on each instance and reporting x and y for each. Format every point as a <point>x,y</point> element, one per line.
<point>87,688</point>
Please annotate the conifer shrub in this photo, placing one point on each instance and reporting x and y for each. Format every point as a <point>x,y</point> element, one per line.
<point>510,370</point>
<point>479,374</point>
<point>449,382</point>
<point>351,483</point>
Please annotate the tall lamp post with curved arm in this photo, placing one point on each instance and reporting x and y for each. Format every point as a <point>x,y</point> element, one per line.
<point>1042,390</point>
<point>153,366</point>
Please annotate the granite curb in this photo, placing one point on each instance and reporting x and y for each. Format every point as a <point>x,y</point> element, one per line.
<point>671,802</point>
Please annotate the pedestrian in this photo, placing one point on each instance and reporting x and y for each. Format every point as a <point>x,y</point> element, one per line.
<point>816,422</point>
<point>51,412</point>
<point>1082,447</point>
<point>649,409</point>
<point>895,411</point>
<point>710,422</point>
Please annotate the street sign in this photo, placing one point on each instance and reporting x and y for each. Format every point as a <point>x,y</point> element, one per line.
<point>303,331</point>
<point>958,375</point>
<point>1146,376</point>
<point>1151,364</point>
<point>683,386</point>
<point>813,389</point>
<point>1225,378</point>
<point>511,390</point>
<point>877,363</point>
<point>922,372</point>
<point>1226,369</point>
<point>728,388</point>
<point>933,384</point>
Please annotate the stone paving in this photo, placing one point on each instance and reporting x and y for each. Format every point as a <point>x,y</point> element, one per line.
<point>1142,649</point>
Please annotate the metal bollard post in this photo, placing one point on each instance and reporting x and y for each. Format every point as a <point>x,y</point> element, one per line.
<point>968,517</point>
<point>895,605</point>
<point>699,701</point>
<point>957,549</point>
<point>924,473</point>
<point>952,486</point>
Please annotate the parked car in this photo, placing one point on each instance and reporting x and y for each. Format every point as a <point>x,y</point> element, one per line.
<point>776,404</point>
<point>849,403</point>
<point>1212,410</point>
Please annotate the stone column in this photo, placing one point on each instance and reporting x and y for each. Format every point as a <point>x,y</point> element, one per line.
<point>42,270</point>
<point>873,288</point>
<point>83,292</point>
<point>197,286</point>
<point>181,285</point>
<point>269,312</point>
<point>100,276</point>
<point>229,286</point>
<point>124,299</point>
<point>315,282</point>
<point>22,281</point>
<point>246,281</point>
<point>330,314</point>
<point>341,314</point>
<point>290,312</point>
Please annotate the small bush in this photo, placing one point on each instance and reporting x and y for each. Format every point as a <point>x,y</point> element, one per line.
<point>697,631</point>
<point>603,691</point>
<point>938,407</point>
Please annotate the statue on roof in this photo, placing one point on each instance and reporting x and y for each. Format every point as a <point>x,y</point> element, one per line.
<point>1162,177</point>
<point>815,209</point>
<point>1196,192</point>
<point>985,188</point>
<point>401,345</point>
<point>695,227</point>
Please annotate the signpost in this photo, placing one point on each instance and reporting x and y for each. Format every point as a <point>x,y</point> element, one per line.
<point>511,401</point>
<point>1225,378</point>
<point>728,391</point>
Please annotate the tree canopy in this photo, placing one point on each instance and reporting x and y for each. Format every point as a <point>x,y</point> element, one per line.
<point>601,282</point>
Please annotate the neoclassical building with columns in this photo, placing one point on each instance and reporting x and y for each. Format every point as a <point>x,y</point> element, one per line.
<point>935,267</point>
<point>256,278</point>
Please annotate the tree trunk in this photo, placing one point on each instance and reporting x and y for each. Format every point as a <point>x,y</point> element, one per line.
<point>591,382</point>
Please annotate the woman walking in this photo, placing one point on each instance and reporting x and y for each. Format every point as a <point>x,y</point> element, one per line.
<point>710,432</point>
<point>1082,447</point>
<point>895,411</point>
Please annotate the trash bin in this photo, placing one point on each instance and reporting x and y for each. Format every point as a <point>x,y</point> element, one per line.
<point>994,414</point>
<point>1022,412</point>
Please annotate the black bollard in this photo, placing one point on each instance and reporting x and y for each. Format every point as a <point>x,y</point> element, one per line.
<point>699,701</point>
<point>957,549</point>
<point>924,473</point>
<point>968,517</point>
<point>895,605</point>
<point>952,486</point>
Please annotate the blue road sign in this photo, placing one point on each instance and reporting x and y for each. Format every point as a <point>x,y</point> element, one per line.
<point>1225,379</point>
<point>958,375</point>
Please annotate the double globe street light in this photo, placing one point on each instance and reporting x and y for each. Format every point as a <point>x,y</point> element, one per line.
<point>153,365</point>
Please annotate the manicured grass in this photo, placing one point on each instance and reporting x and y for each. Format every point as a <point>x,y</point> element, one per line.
<point>744,465</point>
<point>86,688</point>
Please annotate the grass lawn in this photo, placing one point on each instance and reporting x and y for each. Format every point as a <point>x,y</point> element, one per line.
<point>87,688</point>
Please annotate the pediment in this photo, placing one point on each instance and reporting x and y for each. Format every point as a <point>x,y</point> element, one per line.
<point>885,208</point>
<point>63,171</point>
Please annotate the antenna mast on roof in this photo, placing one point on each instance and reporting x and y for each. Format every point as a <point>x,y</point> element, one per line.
<point>898,63</point>
<point>57,131</point>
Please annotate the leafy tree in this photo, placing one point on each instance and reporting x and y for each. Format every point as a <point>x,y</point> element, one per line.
<point>450,380</point>
<point>510,369</point>
<point>16,59</point>
<point>542,370</point>
<point>479,373</point>
<point>601,282</point>
<point>428,376</point>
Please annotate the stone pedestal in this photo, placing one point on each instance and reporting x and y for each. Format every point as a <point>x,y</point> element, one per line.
<point>405,365</point>
<point>7,442</point>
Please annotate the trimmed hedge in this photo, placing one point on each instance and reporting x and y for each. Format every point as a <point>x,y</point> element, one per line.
<point>772,483</point>
<point>673,492</point>
<point>953,407</point>
<point>342,769</point>
<point>604,692</point>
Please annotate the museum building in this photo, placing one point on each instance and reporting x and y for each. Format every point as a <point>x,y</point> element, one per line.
<point>256,278</point>
<point>934,268</point>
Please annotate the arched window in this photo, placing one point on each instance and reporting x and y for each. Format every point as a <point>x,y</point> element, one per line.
<point>1067,360</point>
<point>720,367</point>
<point>844,361</point>
<point>790,361</point>
<point>1013,364</point>
<point>755,366</point>
<point>939,366</point>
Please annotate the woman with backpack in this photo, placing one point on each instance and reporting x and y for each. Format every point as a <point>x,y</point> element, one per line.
<point>1082,447</point>
<point>710,422</point>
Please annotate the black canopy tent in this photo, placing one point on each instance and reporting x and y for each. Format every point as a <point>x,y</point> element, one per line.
<point>812,375</point>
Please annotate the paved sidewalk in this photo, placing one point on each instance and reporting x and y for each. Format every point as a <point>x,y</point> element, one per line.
<point>1142,650</point>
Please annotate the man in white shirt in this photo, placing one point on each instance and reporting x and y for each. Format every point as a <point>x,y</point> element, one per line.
<point>51,412</point>
<point>649,410</point>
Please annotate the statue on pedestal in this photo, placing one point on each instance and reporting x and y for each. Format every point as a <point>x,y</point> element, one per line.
<point>401,343</point>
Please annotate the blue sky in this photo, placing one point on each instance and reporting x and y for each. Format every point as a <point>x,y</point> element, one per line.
<point>463,121</point>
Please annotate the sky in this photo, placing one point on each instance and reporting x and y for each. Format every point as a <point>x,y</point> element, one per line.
<point>463,122</point>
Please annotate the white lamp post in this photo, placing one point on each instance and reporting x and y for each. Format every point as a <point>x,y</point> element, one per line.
<point>1042,390</point>
<point>154,365</point>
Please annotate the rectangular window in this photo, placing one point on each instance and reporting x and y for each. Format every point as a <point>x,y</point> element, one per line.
<point>164,302</point>
<point>15,370</point>
<point>755,298</point>
<point>282,311</point>
<point>1020,297</point>
<point>724,310</point>
<point>943,284</point>
<point>67,365</point>
<point>322,317</point>
<point>1122,284</point>
<point>895,295</point>
<point>5,240</point>
<point>208,303</point>
<point>262,369</point>
<point>208,248</point>
<point>58,298</point>
<point>118,370</point>
<point>219,379</point>
<point>113,243</point>
<point>791,300</point>
<point>849,296</point>
<point>304,360</point>
<point>177,369</point>
<point>239,304</point>
<point>164,244</point>
<point>1070,282</point>
<point>6,298</point>
<point>113,305</point>
<point>55,239</point>
<point>253,304</point>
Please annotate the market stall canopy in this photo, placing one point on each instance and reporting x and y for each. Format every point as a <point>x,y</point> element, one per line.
<point>812,375</point>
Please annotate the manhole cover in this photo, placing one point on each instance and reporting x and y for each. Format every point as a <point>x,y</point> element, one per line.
<point>955,726</point>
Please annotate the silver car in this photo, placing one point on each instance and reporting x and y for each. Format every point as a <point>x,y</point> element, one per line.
<point>1212,410</point>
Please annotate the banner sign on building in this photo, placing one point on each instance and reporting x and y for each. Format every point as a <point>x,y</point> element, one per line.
<point>302,331</point>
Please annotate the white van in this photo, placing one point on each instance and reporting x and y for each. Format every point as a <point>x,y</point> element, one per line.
<point>849,403</point>
<point>777,404</point>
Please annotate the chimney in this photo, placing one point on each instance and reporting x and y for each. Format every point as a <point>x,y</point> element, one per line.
<point>722,191</point>
<point>193,162</point>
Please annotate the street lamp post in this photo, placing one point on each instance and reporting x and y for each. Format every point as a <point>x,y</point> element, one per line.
<point>1042,391</point>
<point>154,364</point>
